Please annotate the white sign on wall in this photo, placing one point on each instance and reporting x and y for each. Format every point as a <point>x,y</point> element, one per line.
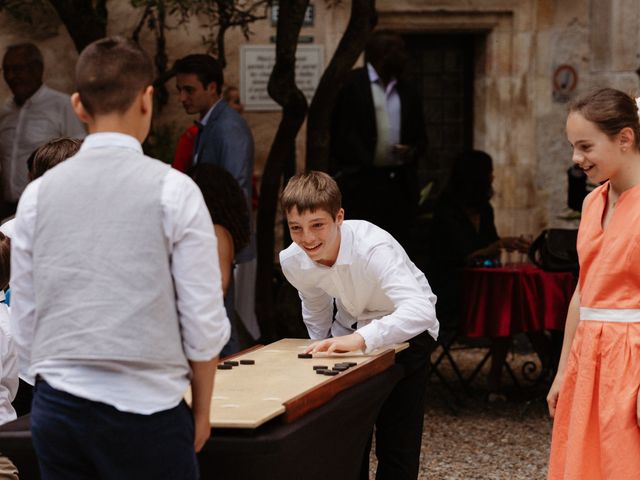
<point>256,63</point>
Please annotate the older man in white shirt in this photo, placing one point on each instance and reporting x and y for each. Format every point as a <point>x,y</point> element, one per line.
<point>33,116</point>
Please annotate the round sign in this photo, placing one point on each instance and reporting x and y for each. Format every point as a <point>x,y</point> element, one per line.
<point>565,79</point>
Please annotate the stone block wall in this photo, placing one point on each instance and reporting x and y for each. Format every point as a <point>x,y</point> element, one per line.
<point>520,43</point>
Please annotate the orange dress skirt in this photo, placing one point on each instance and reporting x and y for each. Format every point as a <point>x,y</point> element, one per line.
<point>595,431</point>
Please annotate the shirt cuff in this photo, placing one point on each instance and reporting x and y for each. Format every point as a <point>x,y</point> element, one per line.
<point>195,354</point>
<point>371,337</point>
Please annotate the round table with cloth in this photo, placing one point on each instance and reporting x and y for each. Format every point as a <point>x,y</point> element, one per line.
<point>504,301</point>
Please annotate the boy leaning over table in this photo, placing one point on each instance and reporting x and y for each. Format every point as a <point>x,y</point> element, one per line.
<point>381,298</point>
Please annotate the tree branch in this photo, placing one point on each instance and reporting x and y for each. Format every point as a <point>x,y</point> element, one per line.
<point>283,90</point>
<point>361,22</point>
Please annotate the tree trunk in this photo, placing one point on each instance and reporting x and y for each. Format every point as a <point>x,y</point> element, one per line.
<point>84,22</point>
<point>282,88</point>
<point>363,19</point>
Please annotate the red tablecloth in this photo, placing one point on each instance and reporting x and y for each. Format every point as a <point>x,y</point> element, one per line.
<point>504,301</point>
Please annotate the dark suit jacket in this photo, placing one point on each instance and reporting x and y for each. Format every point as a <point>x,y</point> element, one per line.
<point>354,134</point>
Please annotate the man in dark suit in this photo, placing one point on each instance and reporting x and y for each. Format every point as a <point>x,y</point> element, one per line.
<point>378,136</point>
<point>223,139</point>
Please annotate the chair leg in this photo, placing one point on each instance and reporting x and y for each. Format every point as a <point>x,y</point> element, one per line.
<point>476,370</point>
<point>512,375</point>
<point>446,353</point>
<point>451,391</point>
<point>435,370</point>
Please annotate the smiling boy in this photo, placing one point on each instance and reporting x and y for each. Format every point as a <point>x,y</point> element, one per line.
<point>381,298</point>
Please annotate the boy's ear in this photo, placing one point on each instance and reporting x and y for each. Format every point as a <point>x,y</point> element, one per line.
<point>146,104</point>
<point>340,216</point>
<point>79,109</point>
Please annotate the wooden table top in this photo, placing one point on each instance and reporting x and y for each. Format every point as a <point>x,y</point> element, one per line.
<point>281,383</point>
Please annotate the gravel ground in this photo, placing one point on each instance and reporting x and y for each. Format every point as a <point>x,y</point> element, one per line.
<point>476,439</point>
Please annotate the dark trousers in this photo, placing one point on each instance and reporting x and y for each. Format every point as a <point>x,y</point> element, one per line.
<point>399,423</point>
<point>76,438</point>
<point>24,398</point>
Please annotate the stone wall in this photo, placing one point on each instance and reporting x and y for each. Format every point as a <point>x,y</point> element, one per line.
<point>520,44</point>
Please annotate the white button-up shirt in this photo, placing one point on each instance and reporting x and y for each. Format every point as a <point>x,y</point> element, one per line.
<point>46,115</point>
<point>132,386</point>
<point>378,290</point>
<point>387,107</point>
<point>8,366</point>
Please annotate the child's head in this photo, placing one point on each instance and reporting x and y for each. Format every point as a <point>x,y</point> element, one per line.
<point>51,154</point>
<point>5,261</point>
<point>611,110</point>
<point>312,203</point>
<point>110,74</point>
<point>231,95</point>
<point>603,128</point>
<point>225,201</point>
<point>310,192</point>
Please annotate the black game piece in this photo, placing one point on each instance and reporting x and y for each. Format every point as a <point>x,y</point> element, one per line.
<point>340,368</point>
<point>247,362</point>
<point>224,366</point>
<point>321,371</point>
<point>331,373</point>
<point>305,355</point>
<point>233,363</point>
<point>320,367</point>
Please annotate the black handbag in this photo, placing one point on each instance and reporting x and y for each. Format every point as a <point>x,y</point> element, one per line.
<point>555,250</point>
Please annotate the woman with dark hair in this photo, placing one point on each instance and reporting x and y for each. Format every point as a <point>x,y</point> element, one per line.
<point>464,234</point>
<point>464,223</point>
<point>228,209</point>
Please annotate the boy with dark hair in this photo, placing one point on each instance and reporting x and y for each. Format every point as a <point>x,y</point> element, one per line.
<point>381,298</point>
<point>117,303</point>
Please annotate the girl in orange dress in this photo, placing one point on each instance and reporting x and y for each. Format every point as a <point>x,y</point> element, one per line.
<point>594,396</point>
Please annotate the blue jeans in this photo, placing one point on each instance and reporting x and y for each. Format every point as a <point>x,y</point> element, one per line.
<point>76,438</point>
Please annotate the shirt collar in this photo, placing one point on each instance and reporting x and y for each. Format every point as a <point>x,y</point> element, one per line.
<point>373,75</point>
<point>345,253</point>
<point>41,92</point>
<point>205,119</point>
<point>110,139</point>
<point>375,78</point>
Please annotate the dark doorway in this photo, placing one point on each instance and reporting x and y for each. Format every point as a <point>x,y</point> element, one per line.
<point>442,67</point>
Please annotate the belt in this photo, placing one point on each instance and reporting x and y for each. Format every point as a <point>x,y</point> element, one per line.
<point>620,315</point>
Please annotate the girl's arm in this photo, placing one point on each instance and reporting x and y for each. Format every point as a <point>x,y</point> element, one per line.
<point>573,317</point>
<point>225,255</point>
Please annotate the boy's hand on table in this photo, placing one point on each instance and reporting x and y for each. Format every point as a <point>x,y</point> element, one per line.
<point>347,343</point>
